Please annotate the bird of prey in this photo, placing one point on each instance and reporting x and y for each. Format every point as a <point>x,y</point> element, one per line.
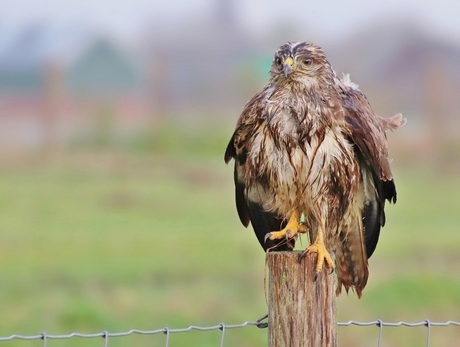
<point>311,157</point>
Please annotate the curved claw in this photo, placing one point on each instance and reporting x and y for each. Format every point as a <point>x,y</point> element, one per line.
<point>302,255</point>
<point>267,236</point>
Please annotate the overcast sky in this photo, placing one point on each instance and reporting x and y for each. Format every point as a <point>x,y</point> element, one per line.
<point>332,18</point>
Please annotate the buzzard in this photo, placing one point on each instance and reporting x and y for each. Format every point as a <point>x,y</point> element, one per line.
<point>311,157</point>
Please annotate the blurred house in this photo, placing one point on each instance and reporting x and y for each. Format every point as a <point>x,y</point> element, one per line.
<point>62,83</point>
<point>55,83</point>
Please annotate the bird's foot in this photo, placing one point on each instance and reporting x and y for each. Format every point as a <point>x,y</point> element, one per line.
<point>291,230</point>
<point>319,248</point>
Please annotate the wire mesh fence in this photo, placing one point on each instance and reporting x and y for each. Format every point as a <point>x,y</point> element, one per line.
<point>106,337</point>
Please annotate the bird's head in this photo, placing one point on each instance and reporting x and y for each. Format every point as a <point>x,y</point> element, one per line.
<point>301,62</point>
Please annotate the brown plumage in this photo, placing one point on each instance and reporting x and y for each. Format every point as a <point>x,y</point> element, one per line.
<point>310,145</point>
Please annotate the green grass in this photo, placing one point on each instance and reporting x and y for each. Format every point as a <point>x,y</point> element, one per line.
<point>118,239</point>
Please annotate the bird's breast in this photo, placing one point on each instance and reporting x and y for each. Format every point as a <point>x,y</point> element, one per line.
<point>293,171</point>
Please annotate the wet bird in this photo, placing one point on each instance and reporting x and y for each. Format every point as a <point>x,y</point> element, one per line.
<point>311,156</point>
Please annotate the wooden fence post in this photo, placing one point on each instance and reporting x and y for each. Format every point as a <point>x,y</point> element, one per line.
<point>301,311</point>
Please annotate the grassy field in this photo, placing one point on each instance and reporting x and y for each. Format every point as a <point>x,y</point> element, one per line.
<point>94,240</point>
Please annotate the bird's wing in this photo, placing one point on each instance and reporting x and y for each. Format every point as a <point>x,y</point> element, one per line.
<point>368,132</point>
<point>249,196</point>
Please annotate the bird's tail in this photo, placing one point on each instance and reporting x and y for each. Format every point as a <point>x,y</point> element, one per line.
<point>351,260</point>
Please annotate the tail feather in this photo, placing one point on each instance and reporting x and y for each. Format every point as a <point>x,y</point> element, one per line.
<point>351,260</point>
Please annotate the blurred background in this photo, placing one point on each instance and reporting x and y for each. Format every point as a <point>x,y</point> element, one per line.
<point>117,209</point>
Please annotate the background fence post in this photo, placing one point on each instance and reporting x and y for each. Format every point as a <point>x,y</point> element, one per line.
<point>301,311</point>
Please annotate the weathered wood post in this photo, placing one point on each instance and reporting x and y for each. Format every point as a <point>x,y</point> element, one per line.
<point>301,310</point>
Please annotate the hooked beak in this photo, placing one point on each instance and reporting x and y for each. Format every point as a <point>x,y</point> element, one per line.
<point>288,62</point>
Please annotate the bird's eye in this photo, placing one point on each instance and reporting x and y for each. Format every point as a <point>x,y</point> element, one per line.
<point>278,61</point>
<point>308,61</point>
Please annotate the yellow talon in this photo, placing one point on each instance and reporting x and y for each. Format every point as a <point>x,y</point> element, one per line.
<point>319,248</point>
<point>291,230</point>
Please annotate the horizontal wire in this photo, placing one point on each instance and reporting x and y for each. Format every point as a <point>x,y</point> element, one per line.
<point>106,334</point>
<point>379,323</point>
<point>221,326</point>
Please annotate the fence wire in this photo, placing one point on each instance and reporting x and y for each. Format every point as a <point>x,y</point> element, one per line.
<point>259,323</point>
